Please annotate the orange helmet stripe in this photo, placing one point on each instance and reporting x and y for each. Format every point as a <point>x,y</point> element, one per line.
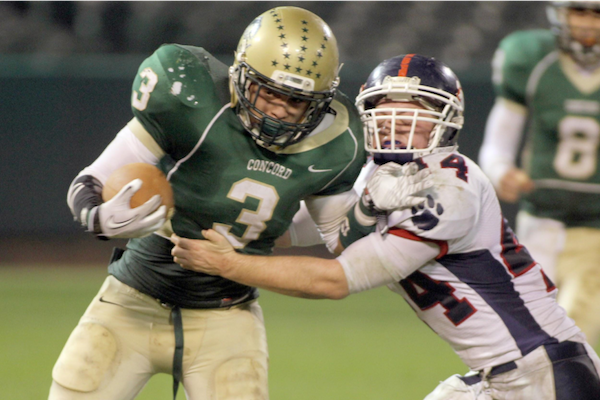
<point>404,65</point>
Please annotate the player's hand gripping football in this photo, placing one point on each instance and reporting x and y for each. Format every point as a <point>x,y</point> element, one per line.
<point>208,256</point>
<point>395,187</point>
<point>116,218</point>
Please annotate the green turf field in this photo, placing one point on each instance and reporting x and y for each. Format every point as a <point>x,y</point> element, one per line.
<point>369,346</point>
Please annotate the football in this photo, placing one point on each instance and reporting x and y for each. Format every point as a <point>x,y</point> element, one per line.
<point>153,182</point>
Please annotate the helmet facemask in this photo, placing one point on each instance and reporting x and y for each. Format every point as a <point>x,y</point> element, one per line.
<point>267,130</point>
<point>441,109</point>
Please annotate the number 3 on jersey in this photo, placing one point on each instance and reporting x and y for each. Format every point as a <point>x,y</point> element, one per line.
<point>149,81</point>
<point>255,221</point>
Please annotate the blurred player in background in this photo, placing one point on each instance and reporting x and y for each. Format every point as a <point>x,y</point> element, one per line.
<point>551,81</point>
<point>453,257</point>
<point>241,146</point>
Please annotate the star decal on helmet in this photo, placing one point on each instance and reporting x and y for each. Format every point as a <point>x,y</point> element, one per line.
<point>295,39</point>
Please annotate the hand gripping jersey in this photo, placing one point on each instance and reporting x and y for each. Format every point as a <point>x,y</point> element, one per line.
<point>460,267</point>
<point>221,178</point>
<point>563,143</point>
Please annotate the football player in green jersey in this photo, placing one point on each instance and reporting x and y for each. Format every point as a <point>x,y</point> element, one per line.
<point>241,145</point>
<point>549,80</point>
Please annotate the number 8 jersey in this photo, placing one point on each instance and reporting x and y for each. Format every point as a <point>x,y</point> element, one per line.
<point>563,142</point>
<point>457,263</point>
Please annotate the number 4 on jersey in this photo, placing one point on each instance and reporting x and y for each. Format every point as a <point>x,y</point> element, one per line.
<point>458,163</point>
<point>433,292</point>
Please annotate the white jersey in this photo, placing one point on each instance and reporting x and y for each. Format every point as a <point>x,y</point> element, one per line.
<point>458,264</point>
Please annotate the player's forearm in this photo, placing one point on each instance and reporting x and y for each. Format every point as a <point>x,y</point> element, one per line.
<point>297,276</point>
<point>502,137</point>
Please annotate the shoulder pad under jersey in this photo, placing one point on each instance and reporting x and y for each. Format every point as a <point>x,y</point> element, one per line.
<point>452,203</point>
<point>176,74</point>
<point>516,57</point>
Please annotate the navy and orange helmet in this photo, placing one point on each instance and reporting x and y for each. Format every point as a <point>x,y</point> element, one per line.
<point>411,78</point>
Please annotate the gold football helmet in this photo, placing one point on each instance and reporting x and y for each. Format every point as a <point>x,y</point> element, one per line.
<point>291,52</point>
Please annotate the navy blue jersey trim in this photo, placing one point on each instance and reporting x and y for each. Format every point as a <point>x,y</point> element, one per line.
<point>489,278</point>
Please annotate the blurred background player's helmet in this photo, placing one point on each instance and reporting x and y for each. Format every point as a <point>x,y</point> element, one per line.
<point>290,51</point>
<point>408,78</point>
<point>584,48</point>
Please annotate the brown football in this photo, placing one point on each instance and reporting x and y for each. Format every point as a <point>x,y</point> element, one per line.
<point>153,182</point>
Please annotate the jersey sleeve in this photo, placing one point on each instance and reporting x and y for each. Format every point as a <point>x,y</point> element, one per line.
<point>377,260</point>
<point>168,83</point>
<point>514,60</point>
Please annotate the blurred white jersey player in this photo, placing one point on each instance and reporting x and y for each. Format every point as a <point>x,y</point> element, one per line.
<point>452,257</point>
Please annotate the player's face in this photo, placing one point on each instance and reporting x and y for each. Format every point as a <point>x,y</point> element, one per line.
<point>277,105</point>
<point>584,25</point>
<point>402,126</point>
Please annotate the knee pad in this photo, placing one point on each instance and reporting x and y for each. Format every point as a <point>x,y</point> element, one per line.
<point>86,358</point>
<point>241,379</point>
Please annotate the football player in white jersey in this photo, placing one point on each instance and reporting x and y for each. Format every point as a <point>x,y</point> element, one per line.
<point>452,257</point>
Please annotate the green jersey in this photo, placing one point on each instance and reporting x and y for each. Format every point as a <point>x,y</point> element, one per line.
<point>562,147</point>
<point>221,178</point>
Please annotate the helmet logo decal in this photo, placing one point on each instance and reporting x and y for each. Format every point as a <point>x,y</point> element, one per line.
<point>404,65</point>
<point>249,34</point>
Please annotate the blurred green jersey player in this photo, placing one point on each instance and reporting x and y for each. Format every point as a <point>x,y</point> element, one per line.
<point>549,81</point>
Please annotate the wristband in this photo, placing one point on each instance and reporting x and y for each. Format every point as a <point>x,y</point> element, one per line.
<point>360,221</point>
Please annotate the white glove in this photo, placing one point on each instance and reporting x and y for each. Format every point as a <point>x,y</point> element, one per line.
<point>394,187</point>
<point>116,218</point>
